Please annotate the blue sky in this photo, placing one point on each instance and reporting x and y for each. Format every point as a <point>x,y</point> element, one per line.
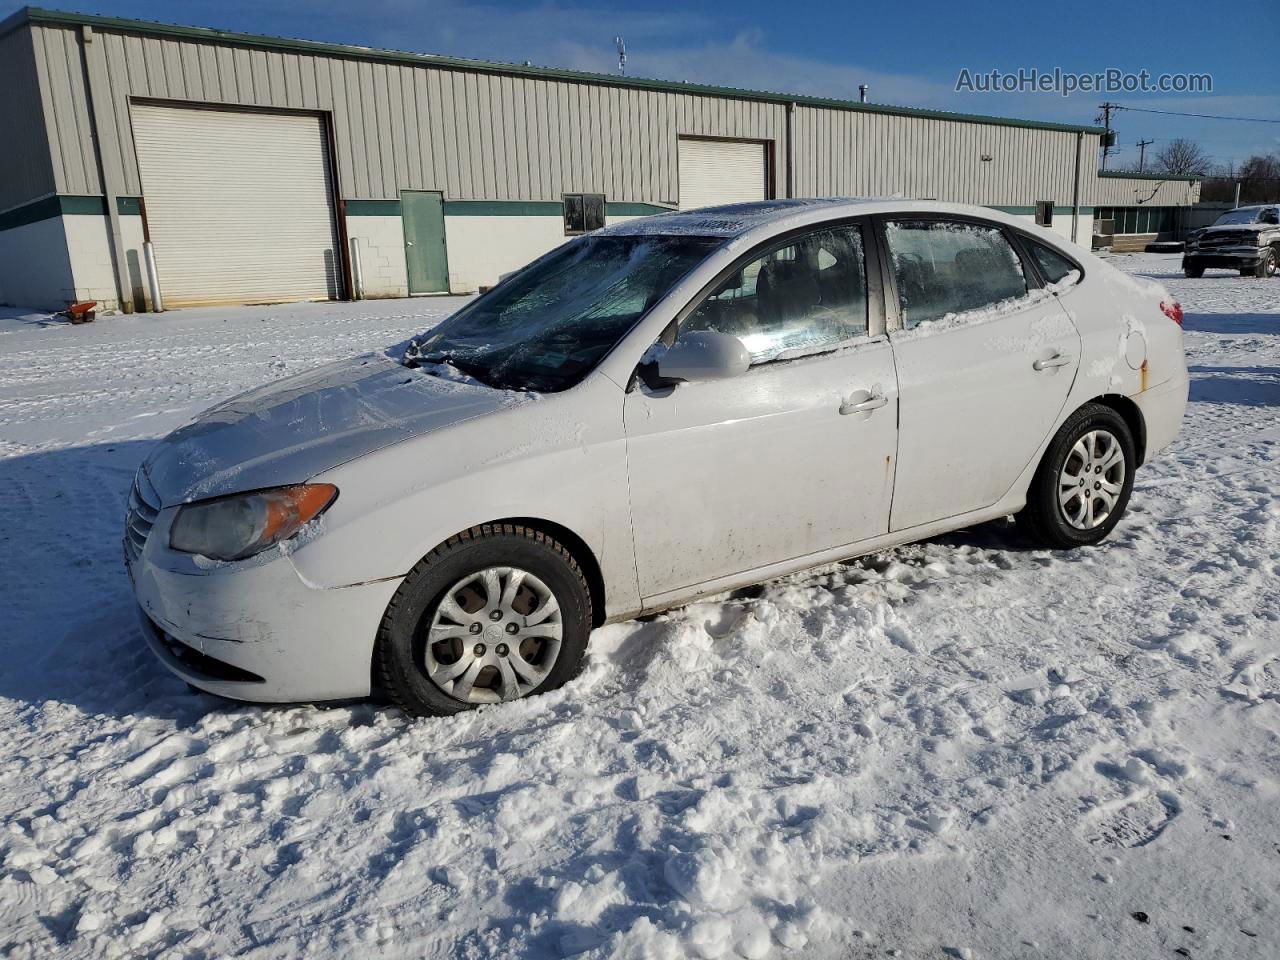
<point>909,53</point>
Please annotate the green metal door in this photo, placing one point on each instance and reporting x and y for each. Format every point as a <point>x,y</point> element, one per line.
<point>424,251</point>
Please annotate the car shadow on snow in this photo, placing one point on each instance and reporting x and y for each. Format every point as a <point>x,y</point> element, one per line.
<point>1242,386</point>
<point>70,633</point>
<point>1233,323</point>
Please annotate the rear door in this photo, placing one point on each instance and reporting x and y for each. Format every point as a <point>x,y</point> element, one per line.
<point>985,361</point>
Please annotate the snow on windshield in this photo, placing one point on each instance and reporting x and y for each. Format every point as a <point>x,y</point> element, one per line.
<point>545,327</point>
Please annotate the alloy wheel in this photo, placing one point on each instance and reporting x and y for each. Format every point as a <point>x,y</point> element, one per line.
<point>1091,480</point>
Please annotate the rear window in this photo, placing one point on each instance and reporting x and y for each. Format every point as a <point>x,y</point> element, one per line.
<point>1053,265</point>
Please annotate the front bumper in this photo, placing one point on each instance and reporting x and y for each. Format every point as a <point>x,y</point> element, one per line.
<point>257,631</point>
<point>1233,258</point>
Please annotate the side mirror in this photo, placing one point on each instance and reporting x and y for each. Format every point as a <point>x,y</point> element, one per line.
<point>704,355</point>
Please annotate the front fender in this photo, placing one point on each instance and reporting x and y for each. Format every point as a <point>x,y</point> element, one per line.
<point>560,459</point>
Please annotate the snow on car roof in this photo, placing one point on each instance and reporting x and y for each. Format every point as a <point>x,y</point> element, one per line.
<point>731,220</point>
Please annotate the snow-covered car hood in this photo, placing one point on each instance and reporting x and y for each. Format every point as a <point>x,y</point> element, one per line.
<point>290,430</point>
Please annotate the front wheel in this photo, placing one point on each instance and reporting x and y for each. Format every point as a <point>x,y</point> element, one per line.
<point>1267,266</point>
<point>1082,486</point>
<point>498,612</point>
<point>1193,273</point>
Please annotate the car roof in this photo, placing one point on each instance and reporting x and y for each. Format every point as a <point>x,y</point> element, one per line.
<point>741,220</point>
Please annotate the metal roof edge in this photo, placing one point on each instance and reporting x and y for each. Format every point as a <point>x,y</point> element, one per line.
<point>39,15</point>
<point>15,20</point>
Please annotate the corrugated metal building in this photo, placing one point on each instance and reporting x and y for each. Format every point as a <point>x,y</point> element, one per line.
<point>264,169</point>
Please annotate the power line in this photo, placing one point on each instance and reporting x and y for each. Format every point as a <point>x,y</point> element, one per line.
<point>1202,116</point>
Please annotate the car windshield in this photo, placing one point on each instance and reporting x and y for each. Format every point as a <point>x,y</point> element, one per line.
<point>546,327</point>
<point>1237,216</point>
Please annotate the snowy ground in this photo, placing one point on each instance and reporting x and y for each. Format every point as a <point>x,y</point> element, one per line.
<point>962,748</point>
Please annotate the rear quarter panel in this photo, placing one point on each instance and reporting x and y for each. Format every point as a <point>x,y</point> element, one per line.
<point>1128,344</point>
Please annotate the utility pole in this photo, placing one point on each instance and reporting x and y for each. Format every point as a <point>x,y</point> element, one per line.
<point>622,55</point>
<point>1108,138</point>
<point>1142,153</point>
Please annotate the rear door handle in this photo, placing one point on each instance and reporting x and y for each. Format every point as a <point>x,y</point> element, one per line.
<point>1057,360</point>
<point>863,406</point>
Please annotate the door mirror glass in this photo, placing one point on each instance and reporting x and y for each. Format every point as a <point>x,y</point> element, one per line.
<point>704,355</point>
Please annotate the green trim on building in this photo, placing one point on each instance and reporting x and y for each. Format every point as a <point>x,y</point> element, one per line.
<point>1030,211</point>
<point>372,208</point>
<point>503,208</point>
<point>623,209</point>
<point>34,212</point>
<point>499,208</point>
<point>67,205</point>
<point>38,15</point>
<point>1132,175</point>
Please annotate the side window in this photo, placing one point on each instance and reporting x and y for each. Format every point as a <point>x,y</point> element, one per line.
<point>583,212</point>
<point>1269,216</point>
<point>945,267</point>
<point>806,295</point>
<point>1054,266</point>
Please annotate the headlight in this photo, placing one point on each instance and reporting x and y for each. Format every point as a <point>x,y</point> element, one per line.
<point>232,528</point>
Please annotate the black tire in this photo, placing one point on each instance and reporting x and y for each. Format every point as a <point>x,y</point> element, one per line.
<point>1044,519</point>
<point>400,656</point>
<point>1267,266</point>
<point>1248,271</point>
<point>1193,273</point>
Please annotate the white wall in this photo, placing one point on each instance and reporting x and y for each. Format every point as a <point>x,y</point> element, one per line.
<point>482,249</point>
<point>382,265</point>
<point>89,246</point>
<point>1062,225</point>
<point>35,270</point>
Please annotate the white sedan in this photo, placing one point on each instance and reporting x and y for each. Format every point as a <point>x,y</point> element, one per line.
<point>672,407</point>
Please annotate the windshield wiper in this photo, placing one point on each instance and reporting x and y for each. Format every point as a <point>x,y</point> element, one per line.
<point>471,368</point>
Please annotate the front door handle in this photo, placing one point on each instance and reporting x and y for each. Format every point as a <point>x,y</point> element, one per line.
<point>863,406</point>
<point>1057,360</point>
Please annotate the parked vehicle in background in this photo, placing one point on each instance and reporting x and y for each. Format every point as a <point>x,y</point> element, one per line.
<point>672,407</point>
<point>1245,239</point>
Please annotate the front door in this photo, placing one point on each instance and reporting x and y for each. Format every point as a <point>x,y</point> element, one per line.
<point>985,362</point>
<point>424,249</point>
<point>790,459</point>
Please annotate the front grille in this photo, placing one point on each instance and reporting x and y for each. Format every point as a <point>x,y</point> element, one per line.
<point>144,507</point>
<point>1228,239</point>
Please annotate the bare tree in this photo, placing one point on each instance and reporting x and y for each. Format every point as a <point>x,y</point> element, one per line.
<point>1182,156</point>
<point>1258,179</point>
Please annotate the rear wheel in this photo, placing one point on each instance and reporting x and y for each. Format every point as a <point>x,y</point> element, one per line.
<point>1082,486</point>
<point>499,612</point>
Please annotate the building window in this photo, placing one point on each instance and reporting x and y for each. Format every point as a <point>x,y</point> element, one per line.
<point>583,212</point>
<point>1044,213</point>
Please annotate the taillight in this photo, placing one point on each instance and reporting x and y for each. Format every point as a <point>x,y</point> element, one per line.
<point>1172,310</point>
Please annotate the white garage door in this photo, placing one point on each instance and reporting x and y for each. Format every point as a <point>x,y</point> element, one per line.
<point>720,171</point>
<point>239,204</point>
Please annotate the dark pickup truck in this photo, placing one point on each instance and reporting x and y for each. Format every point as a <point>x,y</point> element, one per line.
<point>1245,239</point>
